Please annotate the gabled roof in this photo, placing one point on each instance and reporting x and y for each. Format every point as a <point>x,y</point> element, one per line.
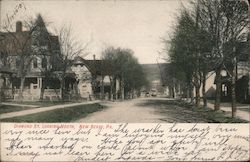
<point>96,67</point>
<point>11,41</point>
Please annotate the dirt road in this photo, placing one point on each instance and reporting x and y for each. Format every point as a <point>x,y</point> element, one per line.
<point>143,110</point>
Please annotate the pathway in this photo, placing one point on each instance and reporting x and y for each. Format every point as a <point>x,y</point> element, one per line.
<point>245,115</point>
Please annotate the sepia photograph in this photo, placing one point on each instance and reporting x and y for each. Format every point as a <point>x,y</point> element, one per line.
<point>125,61</point>
<point>151,62</point>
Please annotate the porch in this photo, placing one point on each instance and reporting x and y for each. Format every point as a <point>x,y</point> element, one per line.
<point>40,88</point>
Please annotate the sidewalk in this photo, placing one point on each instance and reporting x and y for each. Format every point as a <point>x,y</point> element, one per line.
<point>42,109</point>
<point>245,115</point>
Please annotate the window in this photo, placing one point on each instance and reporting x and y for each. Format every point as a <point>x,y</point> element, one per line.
<point>17,62</point>
<point>44,63</point>
<point>35,63</point>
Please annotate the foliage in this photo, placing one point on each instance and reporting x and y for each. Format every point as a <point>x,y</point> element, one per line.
<point>205,39</point>
<point>126,68</point>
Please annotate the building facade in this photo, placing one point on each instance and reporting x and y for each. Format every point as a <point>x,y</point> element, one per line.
<point>33,56</point>
<point>95,78</point>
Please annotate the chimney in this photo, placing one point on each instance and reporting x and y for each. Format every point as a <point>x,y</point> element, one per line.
<point>18,26</point>
<point>94,57</point>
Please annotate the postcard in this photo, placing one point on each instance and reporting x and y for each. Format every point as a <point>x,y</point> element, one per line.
<point>124,80</point>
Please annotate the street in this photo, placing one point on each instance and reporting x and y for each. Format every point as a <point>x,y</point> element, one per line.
<point>143,110</point>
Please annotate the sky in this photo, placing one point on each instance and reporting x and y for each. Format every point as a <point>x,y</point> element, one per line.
<point>136,24</point>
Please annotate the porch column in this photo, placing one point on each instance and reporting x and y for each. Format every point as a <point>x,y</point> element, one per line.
<point>40,83</point>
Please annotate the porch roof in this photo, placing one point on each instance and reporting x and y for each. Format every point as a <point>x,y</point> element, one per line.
<point>6,70</point>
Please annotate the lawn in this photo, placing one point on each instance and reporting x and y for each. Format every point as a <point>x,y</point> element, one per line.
<point>228,104</point>
<point>42,103</point>
<point>211,115</point>
<point>240,106</point>
<point>186,112</point>
<point>8,108</point>
<point>58,115</point>
<point>214,116</point>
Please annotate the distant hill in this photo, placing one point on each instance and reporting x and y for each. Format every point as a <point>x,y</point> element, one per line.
<point>155,72</point>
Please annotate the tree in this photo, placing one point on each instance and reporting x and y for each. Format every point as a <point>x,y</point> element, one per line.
<point>236,17</point>
<point>185,54</point>
<point>70,47</point>
<point>126,69</point>
<point>206,36</point>
<point>226,22</point>
<point>109,55</point>
<point>18,46</point>
<point>43,46</point>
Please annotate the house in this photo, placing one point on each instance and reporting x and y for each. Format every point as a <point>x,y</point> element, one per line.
<point>242,86</point>
<point>34,55</point>
<point>94,79</point>
<point>5,77</point>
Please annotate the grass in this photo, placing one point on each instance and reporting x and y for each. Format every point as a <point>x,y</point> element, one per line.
<point>240,106</point>
<point>228,104</point>
<point>217,116</point>
<point>10,108</point>
<point>214,116</point>
<point>42,103</point>
<point>186,112</point>
<point>211,115</point>
<point>58,115</point>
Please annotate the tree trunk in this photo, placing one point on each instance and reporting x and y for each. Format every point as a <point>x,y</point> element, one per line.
<point>197,95</point>
<point>117,88</point>
<point>191,93</point>
<point>218,90</point>
<point>102,88</point>
<point>233,93</point>
<point>122,89</point>
<point>187,93</point>
<point>21,89</point>
<point>42,93</point>
<point>173,91</point>
<point>62,86</point>
<point>170,89</point>
<point>204,82</point>
<point>111,88</point>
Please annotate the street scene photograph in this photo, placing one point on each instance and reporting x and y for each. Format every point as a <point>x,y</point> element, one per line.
<point>118,61</point>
